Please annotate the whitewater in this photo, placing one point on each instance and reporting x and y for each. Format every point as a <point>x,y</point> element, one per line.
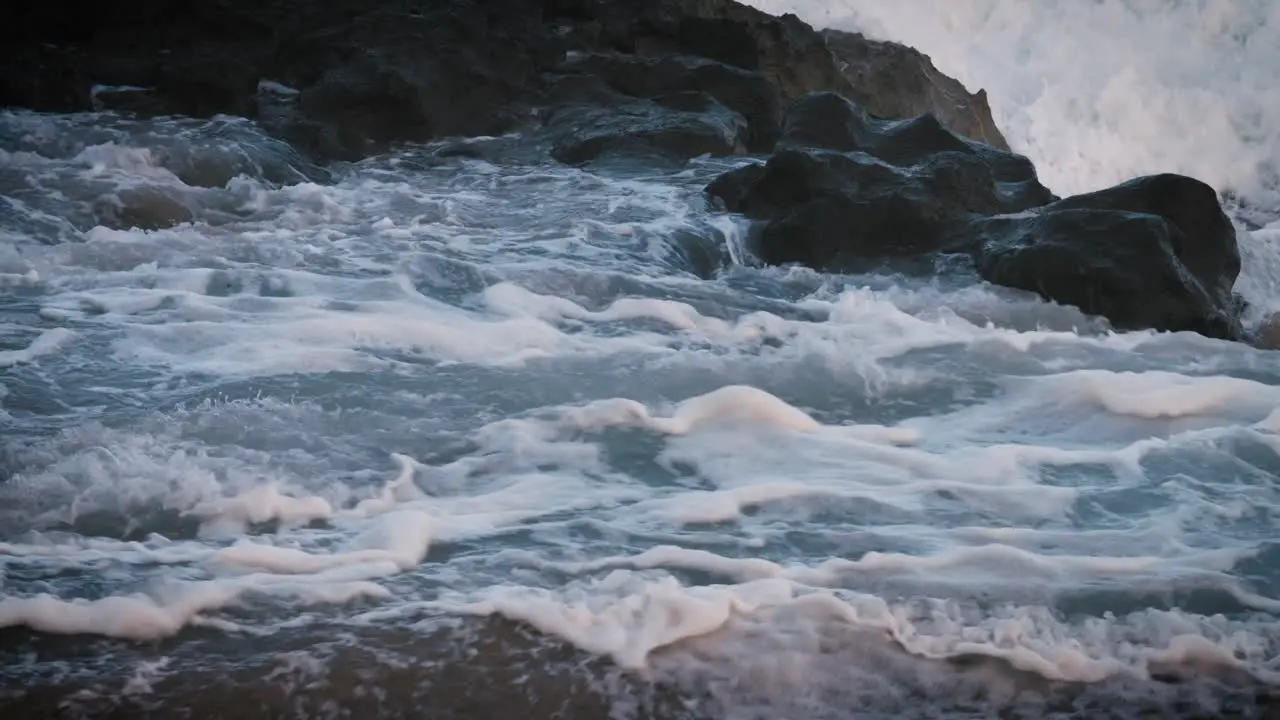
<point>359,436</point>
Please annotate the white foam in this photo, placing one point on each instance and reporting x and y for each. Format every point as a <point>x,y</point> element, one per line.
<point>46,343</point>
<point>1156,394</point>
<point>732,405</point>
<point>628,626</point>
<point>978,566</point>
<point>400,537</point>
<point>232,515</point>
<point>125,162</point>
<point>151,617</point>
<point>657,623</point>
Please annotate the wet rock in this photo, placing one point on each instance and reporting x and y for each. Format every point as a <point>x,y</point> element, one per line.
<point>1124,266</point>
<point>828,121</point>
<point>1267,334</point>
<point>846,191</point>
<point>679,126</point>
<point>461,68</point>
<point>144,208</point>
<point>363,75</point>
<point>1155,252</point>
<point>788,53</point>
<point>893,81</point>
<point>744,92</point>
<point>1204,238</point>
<point>128,99</point>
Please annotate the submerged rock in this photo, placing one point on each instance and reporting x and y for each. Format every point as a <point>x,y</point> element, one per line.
<point>144,207</point>
<point>1267,335</point>
<point>844,191</point>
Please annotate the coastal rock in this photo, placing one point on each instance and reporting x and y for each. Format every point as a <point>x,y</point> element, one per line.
<point>144,208</point>
<point>790,55</point>
<point>677,126</point>
<point>1126,253</point>
<point>744,92</point>
<point>362,75</point>
<point>846,192</point>
<point>1204,238</point>
<point>895,81</point>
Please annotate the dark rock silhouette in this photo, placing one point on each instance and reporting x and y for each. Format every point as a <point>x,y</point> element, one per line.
<point>345,79</point>
<point>682,125</point>
<point>844,191</point>
<point>1155,252</point>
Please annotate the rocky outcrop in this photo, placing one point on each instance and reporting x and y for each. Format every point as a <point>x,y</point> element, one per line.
<point>894,81</point>
<point>345,79</point>
<point>844,191</point>
<point>1155,252</point>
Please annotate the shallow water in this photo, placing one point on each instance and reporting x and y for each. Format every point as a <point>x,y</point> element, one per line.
<point>349,439</point>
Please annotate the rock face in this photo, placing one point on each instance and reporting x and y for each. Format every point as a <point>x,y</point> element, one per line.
<point>1155,252</point>
<point>895,81</point>
<point>844,191</point>
<point>682,125</point>
<point>347,78</point>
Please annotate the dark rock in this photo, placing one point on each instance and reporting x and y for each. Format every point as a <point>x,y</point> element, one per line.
<point>143,207</point>
<point>845,189</point>
<point>828,121</point>
<point>51,78</point>
<point>1206,240</point>
<point>679,126</point>
<point>893,81</point>
<point>368,74</point>
<point>788,53</point>
<point>128,99</point>
<point>845,192</point>
<point>746,93</point>
<point>452,69</point>
<point>1154,252</point>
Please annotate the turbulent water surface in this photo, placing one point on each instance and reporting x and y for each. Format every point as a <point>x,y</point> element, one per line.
<point>501,436</point>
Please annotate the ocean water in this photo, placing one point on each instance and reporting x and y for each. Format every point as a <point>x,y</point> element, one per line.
<point>462,438</point>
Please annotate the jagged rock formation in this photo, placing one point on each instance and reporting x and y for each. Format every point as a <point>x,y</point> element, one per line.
<point>844,191</point>
<point>345,79</point>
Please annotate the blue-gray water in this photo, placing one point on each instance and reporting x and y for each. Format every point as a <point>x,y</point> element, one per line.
<point>340,408</point>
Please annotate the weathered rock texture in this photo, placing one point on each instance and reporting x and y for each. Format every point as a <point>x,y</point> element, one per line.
<point>844,191</point>
<point>345,79</point>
